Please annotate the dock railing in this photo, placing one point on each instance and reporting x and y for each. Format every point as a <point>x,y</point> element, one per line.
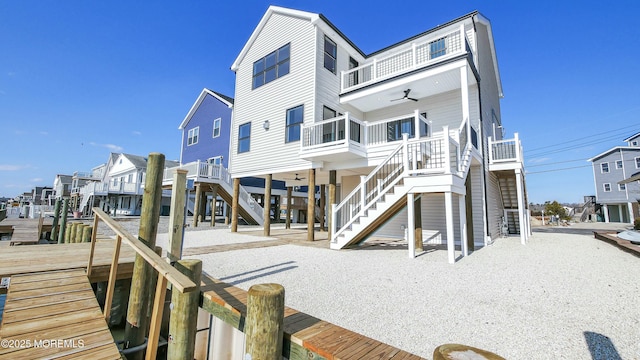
<point>166,273</point>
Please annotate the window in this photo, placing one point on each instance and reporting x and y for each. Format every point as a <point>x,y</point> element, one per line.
<point>271,67</point>
<point>192,136</point>
<point>604,168</point>
<point>395,129</point>
<point>329,129</point>
<point>634,143</point>
<point>638,163</point>
<point>244,137</point>
<point>216,127</point>
<point>618,164</point>
<point>328,113</point>
<point>217,160</point>
<point>353,76</point>
<point>330,55</point>
<point>130,178</point>
<point>295,117</point>
<point>607,187</point>
<point>437,48</point>
<point>622,187</point>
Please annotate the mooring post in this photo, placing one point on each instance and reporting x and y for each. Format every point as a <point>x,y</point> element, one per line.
<point>79,232</point>
<point>267,206</point>
<point>234,205</point>
<point>184,313</point>
<point>56,218</point>
<point>264,322</point>
<point>63,221</point>
<point>67,232</point>
<point>86,233</point>
<point>311,204</point>
<point>140,295</point>
<point>176,214</point>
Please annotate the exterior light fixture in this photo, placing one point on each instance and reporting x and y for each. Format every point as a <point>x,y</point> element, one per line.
<point>266,125</point>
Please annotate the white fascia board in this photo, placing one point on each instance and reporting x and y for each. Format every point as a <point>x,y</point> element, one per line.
<point>486,22</point>
<point>631,137</point>
<point>312,17</point>
<point>605,153</point>
<point>199,101</point>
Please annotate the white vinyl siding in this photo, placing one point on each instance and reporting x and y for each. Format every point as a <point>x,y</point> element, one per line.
<point>269,154</point>
<point>494,205</point>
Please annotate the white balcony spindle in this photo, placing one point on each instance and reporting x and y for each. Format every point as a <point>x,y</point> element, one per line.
<point>447,150</point>
<point>347,128</point>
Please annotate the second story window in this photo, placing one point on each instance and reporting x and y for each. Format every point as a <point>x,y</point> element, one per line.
<point>192,136</point>
<point>638,163</point>
<point>622,187</point>
<point>244,137</point>
<point>216,127</point>
<point>330,55</point>
<point>295,116</point>
<point>604,168</point>
<point>437,48</point>
<point>619,164</point>
<point>271,67</point>
<point>607,187</point>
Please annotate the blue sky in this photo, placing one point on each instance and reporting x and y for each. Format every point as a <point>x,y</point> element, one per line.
<point>79,79</point>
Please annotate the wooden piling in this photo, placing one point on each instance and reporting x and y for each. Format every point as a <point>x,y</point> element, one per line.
<point>234,205</point>
<point>418,223</point>
<point>79,232</point>
<point>56,218</point>
<point>197,205</point>
<point>74,230</point>
<point>267,206</point>
<point>184,314</point>
<point>323,201</point>
<point>176,214</point>
<point>214,196</point>
<point>140,295</point>
<point>86,233</point>
<point>67,233</point>
<point>311,205</point>
<point>287,221</point>
<point>264,322</point>
<point>63,221</point>
<point>332,199</point>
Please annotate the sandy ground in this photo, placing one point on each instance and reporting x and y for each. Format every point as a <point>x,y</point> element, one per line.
<point>564,295</point>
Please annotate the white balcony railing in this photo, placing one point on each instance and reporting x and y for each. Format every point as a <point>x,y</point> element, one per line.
<point>509,150</point>
<point>333,134</point>
<point>420,54</point>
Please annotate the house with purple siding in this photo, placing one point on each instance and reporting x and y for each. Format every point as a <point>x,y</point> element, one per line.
<point>205,129</point>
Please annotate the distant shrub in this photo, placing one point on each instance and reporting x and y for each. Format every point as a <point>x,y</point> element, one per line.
<point>636,223</point>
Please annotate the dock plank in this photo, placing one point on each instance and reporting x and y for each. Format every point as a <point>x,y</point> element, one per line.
<point>70,325</point>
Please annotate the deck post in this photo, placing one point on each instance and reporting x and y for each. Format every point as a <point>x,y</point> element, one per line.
<point>311,204</point>
<point>56,218</point>
<point>411,225</point>
<point>448,206</point>
<point>184,314</point>
<point>418,223</point>
<point>264,322</point>
<point>463,224</point>
<point>332,201</point>
<point>214,196</point>
<point>521,205</point>
<point>287,221</point>
<point>197,204</point>
<point>63,220</point>
<point>140,295</point>
<point>267,206</point>
<point>176,214</point>
<point>234,205</point>
<point>323,201</point>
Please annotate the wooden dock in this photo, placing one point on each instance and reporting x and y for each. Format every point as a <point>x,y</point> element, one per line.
<point>54,314</point>
<point>25,231</point>
<point>306,337</point>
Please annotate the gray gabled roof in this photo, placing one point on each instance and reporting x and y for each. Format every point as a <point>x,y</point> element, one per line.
<point>140,162</point>
<point>632,137</point>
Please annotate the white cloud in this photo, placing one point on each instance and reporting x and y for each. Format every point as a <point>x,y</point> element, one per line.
<point>136,133</point>
<point>35,180</point>
<point>8,167</point>
<point>112,147</point>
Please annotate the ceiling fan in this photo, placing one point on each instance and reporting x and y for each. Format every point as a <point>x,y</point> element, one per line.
<point>296,178</point>
<point>406,96</point>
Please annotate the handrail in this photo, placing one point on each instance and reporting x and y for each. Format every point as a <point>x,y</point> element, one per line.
<point>180,281</point>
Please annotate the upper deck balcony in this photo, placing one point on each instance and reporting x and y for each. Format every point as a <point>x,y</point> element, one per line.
<point>505,154</point>
<point>420,65</point>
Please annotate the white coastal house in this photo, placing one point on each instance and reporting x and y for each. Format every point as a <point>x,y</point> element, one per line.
<point>116,186</point>
<point>408,137</point>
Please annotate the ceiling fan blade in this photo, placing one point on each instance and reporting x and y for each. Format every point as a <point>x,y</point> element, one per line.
<point>397,99</point>
<point>412,99</point>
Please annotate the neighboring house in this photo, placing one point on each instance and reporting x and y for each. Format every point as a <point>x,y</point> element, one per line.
<point>205,154</point>
<point>62,186</point>
<point>618,199</point>
<point>117,186</point>
<point>310,106</point>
